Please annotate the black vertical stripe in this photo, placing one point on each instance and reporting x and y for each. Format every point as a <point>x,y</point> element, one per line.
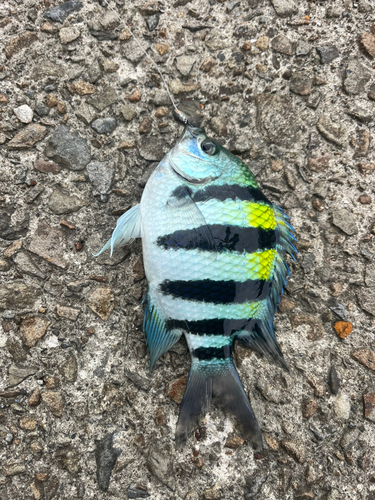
<point>224,192</point>
<point>209,353</point>
<point>212,326</point>
<point>217,292</point>
<point>232,238</point>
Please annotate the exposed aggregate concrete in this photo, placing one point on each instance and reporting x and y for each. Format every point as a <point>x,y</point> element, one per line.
<point>290,88</point>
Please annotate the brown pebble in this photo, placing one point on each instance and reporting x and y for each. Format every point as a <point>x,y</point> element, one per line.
<point>246,46</point>
<point>34,398</point>
<point>54,402</point>
<point>124,145</point>
<point>159,417</point>
<point>207,65</point>
<point>367,42</point>
<point>32,329</point>
<point>36,447</point>
<point>125,35</point>
<point>234,443</point>
<point>177,389</point>
<point>160,112</point>
<point>365,199</point>
<point>366,357</point>
<point>47,167</point>
<point>51,100</point>
<point>90,330</point>
<point>309,408</point>
<point>369,406</point>
<point>199,463</point>
<point>79,246</point>
<point>67,224</point>
<point>145,126</point>
<point>28,424</point>
<point>41,476</point>
<point>134,96</point>
<point>162,48</point>
<point>262,43</point>
<point>52,383</point>
<point>318,205</point>
<point>84,88</point>
<point>366,168</point>
<point>99,279</point>
<point>3,99</point>
<point>49,28</point>
<point>319,164</point>
<point>271,442</point>
<point>61,107</point>
<point>343,328</point>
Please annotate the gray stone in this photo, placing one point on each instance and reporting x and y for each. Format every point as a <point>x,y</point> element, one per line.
<point>357,75</point>
<point>152,21</point>
<point>359,111</point>
<point>314,99</point>
<point>49,243</point>
<point>46,68</point>
<point>19,373</point>
<point>135,491</point>
<point>104,125</point>
<point>282,45</point>
<point>106,457</point>
<point>366,299</point>
<point>101,176</point>
<point>370,276</point>
<point>160,98</point>
<point>328,54</point>
<point>332,130</point>
<point>62,11</point>
<point>300,83</point>
<point>128,112</point>
<point>104,99</point>
<point>25,264</point>
<point>61,202</point>
<point>68,149</point>
<point>109,20</point>
<point>349,439</point>
<point>345,221</point>
<point>69,369</point>
<point>133,52</point>
<point>284,8</point>
<point>185,64</point>
<point>151,148</point>
<point>160,462</point>
<point>86,113</point>
<point>17,295</point>
<point>4,265</point>
<point>94,71</point>
<point>303,48</point>
<point>277,120</point>
<point>334,381</point>
<point>139,381</point>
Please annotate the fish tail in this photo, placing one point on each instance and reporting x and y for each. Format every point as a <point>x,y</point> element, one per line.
<point>216,379</point>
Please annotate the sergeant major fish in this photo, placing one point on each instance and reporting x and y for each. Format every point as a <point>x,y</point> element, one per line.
<point>214,252</point>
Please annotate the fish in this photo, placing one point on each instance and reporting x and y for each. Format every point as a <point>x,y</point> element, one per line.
<point>214,251</point>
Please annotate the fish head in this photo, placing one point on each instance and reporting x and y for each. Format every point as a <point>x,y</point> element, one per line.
<point>199,159</point>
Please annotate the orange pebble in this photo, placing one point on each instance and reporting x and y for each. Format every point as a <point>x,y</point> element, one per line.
<point>343,328</point>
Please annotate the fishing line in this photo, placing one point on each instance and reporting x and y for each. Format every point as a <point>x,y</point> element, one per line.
<point>179,113</point>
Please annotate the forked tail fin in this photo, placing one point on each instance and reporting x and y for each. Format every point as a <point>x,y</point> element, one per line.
<point>216,379</point>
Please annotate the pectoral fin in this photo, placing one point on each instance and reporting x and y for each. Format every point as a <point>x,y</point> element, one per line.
<point>127,228</point>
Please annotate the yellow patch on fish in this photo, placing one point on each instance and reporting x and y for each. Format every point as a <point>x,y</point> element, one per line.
<point>261,216</point>
<point>261,264</point>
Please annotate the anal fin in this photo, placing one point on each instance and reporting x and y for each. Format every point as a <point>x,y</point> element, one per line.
<point>159,338</point>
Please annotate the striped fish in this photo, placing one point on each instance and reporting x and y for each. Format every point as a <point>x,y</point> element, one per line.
<point>214,253</point>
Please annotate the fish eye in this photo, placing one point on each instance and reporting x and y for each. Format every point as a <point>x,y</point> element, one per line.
<point>209,147</point>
